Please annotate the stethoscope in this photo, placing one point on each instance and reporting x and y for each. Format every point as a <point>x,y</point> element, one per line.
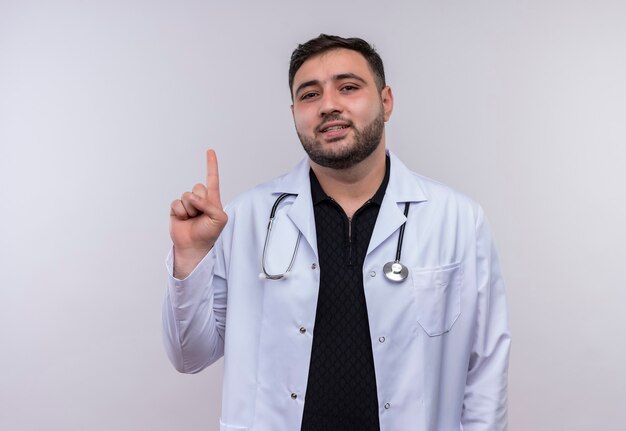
<point>394,271</point>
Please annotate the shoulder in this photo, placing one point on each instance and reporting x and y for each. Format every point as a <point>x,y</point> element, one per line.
<point>433,196</point>
<point>438,190</point>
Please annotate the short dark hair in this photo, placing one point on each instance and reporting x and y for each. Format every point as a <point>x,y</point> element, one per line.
<point>324,43</point>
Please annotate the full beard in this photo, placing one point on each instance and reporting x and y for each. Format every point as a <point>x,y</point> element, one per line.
<point>365,143</point>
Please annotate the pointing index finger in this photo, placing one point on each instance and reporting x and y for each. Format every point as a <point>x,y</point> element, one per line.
<point>212,179</point>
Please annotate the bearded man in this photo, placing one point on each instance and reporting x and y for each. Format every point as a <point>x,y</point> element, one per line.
<point>380,304</point>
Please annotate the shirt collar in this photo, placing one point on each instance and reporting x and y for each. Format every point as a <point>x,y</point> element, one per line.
<point>318,194</point>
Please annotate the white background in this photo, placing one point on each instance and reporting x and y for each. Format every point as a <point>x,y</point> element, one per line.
<point>106,108</point>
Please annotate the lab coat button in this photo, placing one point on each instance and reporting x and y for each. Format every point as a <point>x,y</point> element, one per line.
<point>381,339</point>
<point>387,405</point>
<point>313,265</point>
<point>302,330</point>
<point>372,273</point>
<point>294,395</point>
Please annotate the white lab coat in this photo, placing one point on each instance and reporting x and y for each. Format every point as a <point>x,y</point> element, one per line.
<point>440,339</point>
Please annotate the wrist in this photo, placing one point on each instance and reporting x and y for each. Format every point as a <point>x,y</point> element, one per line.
<point>186,260</point>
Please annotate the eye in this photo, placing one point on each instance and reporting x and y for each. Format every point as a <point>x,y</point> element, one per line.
<point>308,95</point>
<point>349,88</point>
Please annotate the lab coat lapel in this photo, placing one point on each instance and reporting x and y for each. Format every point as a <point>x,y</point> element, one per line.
<point>301,210</point>
<point>402,187</point>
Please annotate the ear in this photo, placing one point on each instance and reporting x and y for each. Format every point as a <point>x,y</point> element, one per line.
<point>386,97</point>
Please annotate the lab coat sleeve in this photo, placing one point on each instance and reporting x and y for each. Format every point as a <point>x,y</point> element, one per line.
<point>485,401</point>
<point>194,314</point>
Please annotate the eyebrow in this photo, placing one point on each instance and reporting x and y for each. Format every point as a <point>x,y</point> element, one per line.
<point>339,77</point>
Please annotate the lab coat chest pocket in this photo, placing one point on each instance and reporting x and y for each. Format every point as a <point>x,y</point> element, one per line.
<point>438,297</point>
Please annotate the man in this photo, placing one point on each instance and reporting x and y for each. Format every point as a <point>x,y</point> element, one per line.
<point>335,334</point>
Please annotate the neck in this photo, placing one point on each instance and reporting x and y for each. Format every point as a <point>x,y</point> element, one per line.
<point>352,187</point>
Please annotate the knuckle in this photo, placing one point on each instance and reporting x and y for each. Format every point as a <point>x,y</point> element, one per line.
<point>187,198</point>
<point>178,210</point>
<point>198,186</point>
<point>199,190</point>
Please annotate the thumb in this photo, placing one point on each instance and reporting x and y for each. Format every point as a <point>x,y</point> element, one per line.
<point>206,206</point>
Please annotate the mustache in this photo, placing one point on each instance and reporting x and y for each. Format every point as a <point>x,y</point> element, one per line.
<point>329,118</point>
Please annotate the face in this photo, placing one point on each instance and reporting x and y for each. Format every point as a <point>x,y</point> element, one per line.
<point>338,111</point>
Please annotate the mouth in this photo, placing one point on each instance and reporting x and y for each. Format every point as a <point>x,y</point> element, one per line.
<point>334,132</point>
<point>333,128</point>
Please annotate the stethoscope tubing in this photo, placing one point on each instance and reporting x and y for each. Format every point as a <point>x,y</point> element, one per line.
<point>397,274</point>
<point>401,234</point>
<point>267,240</point>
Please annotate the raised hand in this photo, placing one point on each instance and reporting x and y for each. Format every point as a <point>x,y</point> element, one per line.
<point>196,220</point>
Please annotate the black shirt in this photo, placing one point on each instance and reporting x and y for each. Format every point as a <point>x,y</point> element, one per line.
<point>341,390</point>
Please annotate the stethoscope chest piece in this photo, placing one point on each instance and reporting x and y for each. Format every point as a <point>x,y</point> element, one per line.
<point>395,271</point>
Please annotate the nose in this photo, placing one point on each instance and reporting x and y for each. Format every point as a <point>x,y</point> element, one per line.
<point>329,104</point>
